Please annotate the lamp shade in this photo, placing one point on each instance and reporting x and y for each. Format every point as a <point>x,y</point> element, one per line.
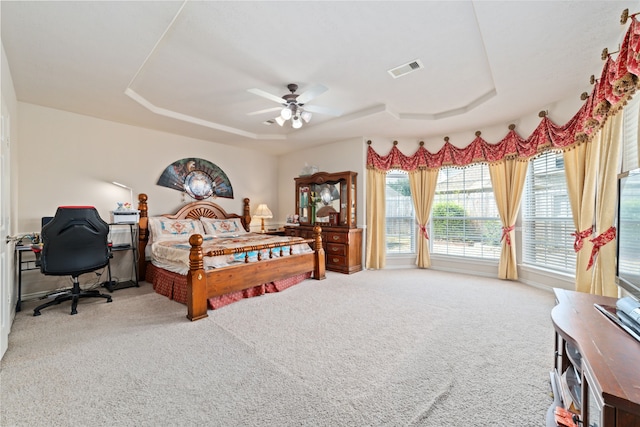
<point>286,113</point>
<point>263,211</point>
<point>306,116</point>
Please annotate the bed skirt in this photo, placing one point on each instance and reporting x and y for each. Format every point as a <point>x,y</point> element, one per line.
<point>174,286</point>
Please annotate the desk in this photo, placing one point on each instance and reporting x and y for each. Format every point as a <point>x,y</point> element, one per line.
<point>131,245</point>
<point>23,265</point>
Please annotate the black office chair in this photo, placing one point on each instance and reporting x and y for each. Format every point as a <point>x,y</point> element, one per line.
<point>74,242</point>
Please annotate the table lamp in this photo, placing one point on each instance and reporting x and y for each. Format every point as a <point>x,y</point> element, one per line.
<point>130,192</point>
<point>262,212</point>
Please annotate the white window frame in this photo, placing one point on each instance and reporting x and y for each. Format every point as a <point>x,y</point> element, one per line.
<point>477,233</point>
<point>547,220</point>
<point>400,238</point>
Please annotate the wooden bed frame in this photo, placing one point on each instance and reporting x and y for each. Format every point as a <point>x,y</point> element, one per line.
<point>204,284</point>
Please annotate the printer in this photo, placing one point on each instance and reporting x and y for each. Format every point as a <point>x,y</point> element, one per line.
<point>125,216</point>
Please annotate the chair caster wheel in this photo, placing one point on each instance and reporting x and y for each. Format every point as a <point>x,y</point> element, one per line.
<point>109,300</point>
<point>74,312</point>
<point>36,313</point>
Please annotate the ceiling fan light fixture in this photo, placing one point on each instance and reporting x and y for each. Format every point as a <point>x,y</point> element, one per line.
<point>286,113</point>
<point>292,106</point>
<point>306,116</point>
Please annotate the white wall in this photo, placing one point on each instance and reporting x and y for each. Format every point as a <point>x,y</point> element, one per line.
<point>71,159</point>
<point>10,102</point>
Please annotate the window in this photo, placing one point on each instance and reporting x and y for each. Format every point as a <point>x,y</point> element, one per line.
<point>400,221</point>
<point>464,216</point>
<point>546,215</point>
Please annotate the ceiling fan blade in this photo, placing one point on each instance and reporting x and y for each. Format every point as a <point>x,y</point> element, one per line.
<point>311,93</point>
<point>266,110</point>
<point>322,110</point>
<point>267,95</point>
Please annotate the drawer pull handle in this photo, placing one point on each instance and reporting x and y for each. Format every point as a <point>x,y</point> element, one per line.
<point>336,237</point>
<point>335,260</point>
<point>334,249</point>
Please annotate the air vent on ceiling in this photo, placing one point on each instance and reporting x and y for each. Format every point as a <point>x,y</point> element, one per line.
<point>405,69</point>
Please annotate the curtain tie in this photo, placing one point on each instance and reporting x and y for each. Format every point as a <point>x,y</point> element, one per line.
<point>580,236</point>
<point>600,241</point>
<point>505,234</point>
<point>423,231</point>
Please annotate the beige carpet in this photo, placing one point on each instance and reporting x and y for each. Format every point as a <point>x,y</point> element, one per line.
<point>377,348</point>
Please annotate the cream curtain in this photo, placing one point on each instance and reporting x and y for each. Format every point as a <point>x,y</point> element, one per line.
<point>507,179</point>
<point>610,139</point>
<point>376,217</point>
<point>581,164</point>
<point>423,187</point>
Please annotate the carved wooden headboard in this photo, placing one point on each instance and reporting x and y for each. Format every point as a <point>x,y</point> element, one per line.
<point>193,210</point>
<point>201,208</point>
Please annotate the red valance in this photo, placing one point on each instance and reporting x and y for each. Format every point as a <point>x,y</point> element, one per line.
<point>617,82</point>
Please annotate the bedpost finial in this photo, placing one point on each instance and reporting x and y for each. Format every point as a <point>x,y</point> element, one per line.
<point>142,197</point>
<point>196,240</point>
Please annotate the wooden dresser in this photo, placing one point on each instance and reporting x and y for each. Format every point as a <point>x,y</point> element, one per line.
<point>329,200</point>
<point>342,246</point>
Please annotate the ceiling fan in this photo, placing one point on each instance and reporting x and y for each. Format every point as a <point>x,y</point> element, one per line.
<point>294,106</point>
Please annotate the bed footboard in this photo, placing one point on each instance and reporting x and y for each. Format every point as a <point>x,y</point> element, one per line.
<point>202,284</point>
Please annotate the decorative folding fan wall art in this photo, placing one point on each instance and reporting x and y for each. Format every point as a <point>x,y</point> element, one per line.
<point>198,178</point>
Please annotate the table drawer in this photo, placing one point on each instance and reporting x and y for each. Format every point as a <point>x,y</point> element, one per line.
<point>337,237</point>
<point>336,249</point>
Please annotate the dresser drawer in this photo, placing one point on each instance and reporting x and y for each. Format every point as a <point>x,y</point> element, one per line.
<point>336,260</point>
<point>342,246</point>
<point>291,232</point>
<point>337,237</point>
<point>336,249</point>
<point>305,234</point>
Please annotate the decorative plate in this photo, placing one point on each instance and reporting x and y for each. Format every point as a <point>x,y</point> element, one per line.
<point>198,185</point>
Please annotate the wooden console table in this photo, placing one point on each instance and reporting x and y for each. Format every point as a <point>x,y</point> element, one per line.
<point>605,359</point>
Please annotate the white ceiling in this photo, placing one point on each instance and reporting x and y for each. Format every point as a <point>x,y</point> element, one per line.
<point>186,67</point>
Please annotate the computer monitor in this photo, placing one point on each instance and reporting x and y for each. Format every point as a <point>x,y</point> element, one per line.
<point>628,236</point>
<point>45,221</point>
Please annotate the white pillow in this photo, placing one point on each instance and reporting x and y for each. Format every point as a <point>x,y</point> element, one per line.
<point>222,227</point>
<point>172,229</point>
